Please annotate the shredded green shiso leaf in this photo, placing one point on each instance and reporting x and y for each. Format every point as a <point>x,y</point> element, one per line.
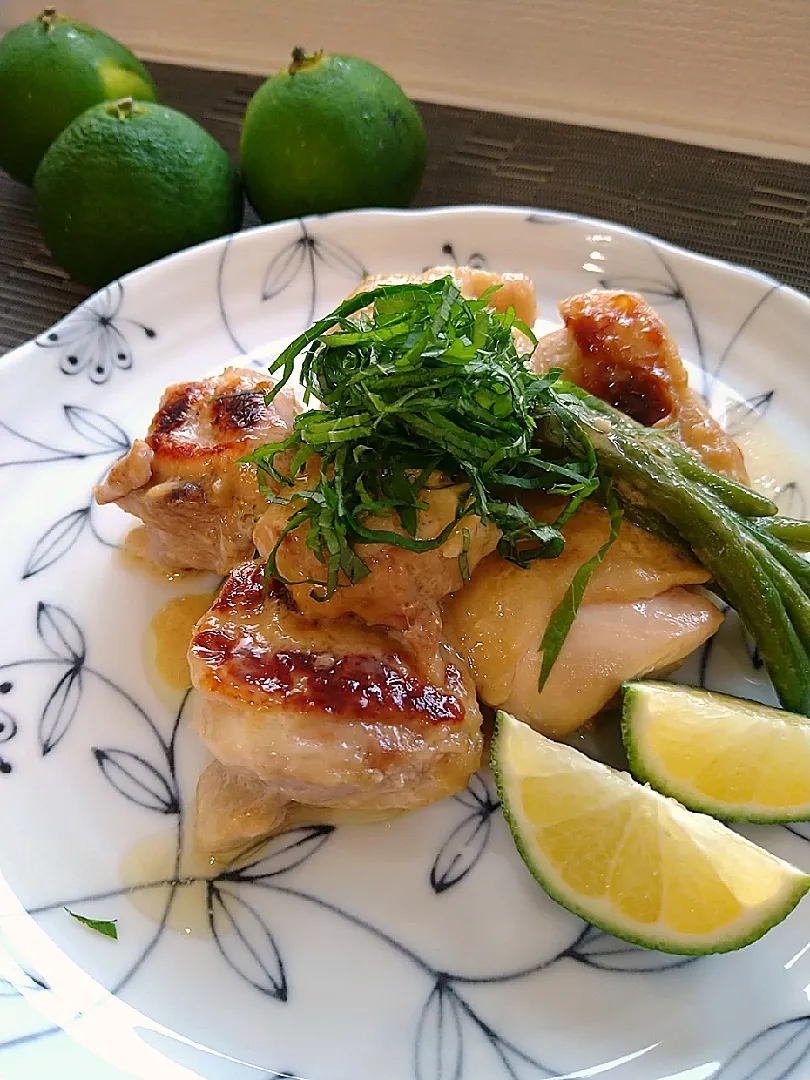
<point>105,927</point>
<point>424,382</point>
<point>414,380</point>
<point>427,382</point>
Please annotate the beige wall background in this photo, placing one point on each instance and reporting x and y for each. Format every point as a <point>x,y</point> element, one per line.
<point>732,74</point>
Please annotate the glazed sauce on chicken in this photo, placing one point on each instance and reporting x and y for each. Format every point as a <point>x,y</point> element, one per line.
<point>372,686</point>
<point>368,686</point>
<point>632,379</point>
<point>164,645</point>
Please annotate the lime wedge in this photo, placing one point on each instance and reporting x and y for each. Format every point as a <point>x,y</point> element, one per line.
<point>723,756</point>
<point>631,861</point>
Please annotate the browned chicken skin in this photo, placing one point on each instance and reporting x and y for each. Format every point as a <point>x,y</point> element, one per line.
<point>617,348</point>
<point>199,505</point>
<point>327,712</point>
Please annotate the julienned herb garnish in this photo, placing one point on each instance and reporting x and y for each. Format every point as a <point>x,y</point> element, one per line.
<point>426,381</point>
<point>423,382</point>
<point>106,927</point>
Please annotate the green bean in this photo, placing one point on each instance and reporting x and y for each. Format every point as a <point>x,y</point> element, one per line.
<point>743,500</point>
<point>646,518</point>
<point>736,496</point>
<point>797,566</point>
<point>730,529</point>
<point>791,531</point>
<point>793,593</point>
<point>747,574</point>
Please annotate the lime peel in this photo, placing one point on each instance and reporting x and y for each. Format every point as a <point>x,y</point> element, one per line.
<point>176,181</point>
<point>329,133</point>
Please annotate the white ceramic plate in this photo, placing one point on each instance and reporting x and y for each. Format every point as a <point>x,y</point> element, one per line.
<point>415,950</point>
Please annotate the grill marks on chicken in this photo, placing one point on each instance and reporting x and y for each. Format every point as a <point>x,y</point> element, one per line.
<point>326,712</point>
<point>184,480</point>
<point>374,684</point>
<point>615,346</point>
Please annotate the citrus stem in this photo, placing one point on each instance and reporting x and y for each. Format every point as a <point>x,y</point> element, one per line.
<point>302,59</point>
<point>47,17</point>
<point>121,109</point>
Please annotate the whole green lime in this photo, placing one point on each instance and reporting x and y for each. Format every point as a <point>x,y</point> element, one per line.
<point>330,133</point>
<point>51,69</point>
<point>130,182</point>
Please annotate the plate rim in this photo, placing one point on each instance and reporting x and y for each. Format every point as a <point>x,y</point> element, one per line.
<point>454,210</point>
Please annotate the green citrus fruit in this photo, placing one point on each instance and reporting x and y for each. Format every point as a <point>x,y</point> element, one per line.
<point>330,133</point>
<point>631,861</point>
<point>51,69</point>
<point>720,755</point>
<point>129,182</point>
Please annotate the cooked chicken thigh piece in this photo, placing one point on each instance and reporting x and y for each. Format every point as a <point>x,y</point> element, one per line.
<point>234,808</point>
<point>514,290</point>
<point>636,618</point>
<point>403,588</point>
<point>327,712</point>
<point>608,645</point>
<point>199,505</point>
<point>617,348</point>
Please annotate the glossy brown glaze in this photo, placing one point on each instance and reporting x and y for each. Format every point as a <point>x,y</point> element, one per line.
<point>174,410</point>
<point>186,480</point>
<point>194,419</point>
<point>353,686</point>
<point>617,347</point>
<point>245,589</point>
<point>240,411</point>
<point>622,343</point>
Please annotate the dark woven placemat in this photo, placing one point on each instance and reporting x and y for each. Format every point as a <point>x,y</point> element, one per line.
<point>750,210</point>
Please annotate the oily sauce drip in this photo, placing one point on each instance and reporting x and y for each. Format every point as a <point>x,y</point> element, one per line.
<point>169,635</point>
<point>154,859</point>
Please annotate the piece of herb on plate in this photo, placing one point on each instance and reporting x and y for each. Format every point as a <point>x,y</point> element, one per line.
<point>106,927</point>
